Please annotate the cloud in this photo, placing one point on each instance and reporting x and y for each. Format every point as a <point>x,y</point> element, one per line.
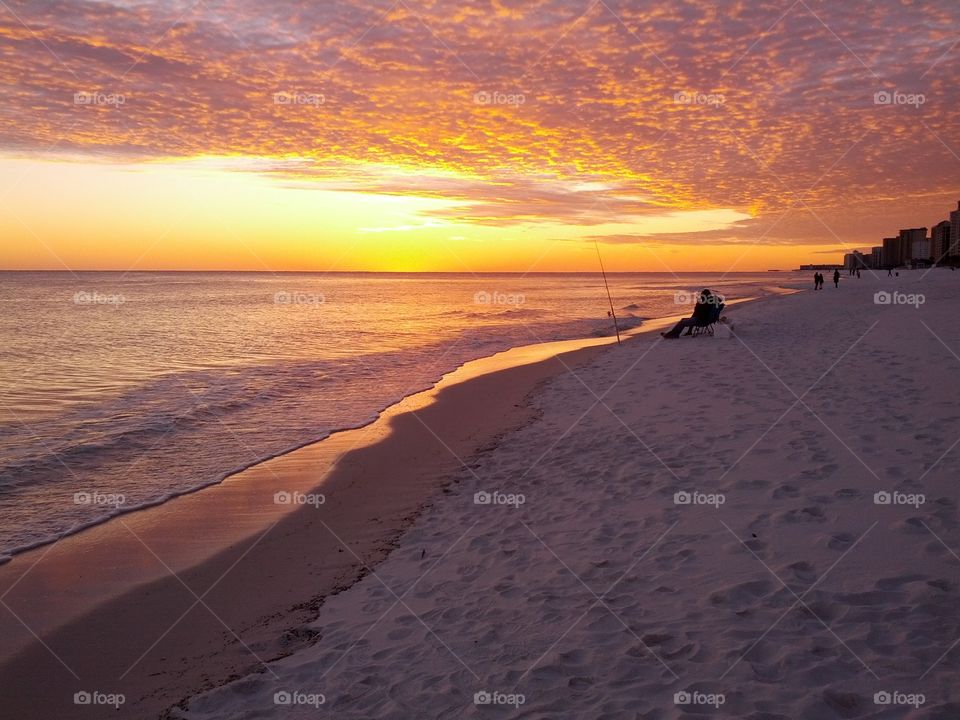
<point>533,111</point>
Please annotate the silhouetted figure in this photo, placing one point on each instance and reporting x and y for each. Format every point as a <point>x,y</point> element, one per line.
<point>816,281</point>
<point>836,278</point>
<point>703,311</point>
<point>858,273</point>
<point>889,272</point>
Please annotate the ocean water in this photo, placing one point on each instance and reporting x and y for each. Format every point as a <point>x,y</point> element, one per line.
<point>119,390</point>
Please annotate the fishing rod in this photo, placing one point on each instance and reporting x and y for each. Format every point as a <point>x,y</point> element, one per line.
<point>613,314</point>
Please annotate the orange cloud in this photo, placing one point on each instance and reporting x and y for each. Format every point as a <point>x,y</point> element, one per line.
<point>518,112</point>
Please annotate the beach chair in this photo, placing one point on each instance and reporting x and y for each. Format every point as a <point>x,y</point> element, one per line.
<point>706,327</point>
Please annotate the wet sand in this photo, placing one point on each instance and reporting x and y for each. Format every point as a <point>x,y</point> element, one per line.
<point>162,603</point>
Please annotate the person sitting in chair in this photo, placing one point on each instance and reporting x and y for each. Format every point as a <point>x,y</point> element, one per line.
<point>705,312</point>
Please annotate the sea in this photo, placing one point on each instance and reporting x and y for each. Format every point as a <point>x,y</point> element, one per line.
<point>123,390</point>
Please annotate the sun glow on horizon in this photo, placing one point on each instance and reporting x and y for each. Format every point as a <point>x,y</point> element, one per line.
<point>345,136</point>
<point>262,214</point>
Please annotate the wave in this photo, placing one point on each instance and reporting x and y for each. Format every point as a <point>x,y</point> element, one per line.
<point>137,438</point>
<point>167,427</point>
<point>9,553</point>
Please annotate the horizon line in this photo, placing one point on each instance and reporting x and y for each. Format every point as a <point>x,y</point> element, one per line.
<point>396,272</point>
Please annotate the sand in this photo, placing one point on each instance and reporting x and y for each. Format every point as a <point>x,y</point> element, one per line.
<point>700,534</point>
<point>163,603</point>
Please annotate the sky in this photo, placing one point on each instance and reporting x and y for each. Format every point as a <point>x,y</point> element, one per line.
<point>480,135</point>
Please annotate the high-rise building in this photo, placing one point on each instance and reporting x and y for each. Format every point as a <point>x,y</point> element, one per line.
<point>908,239</point>
<point>940,241</point>
<point>891,252</point>
<point>856,260</point>
<point>955,232</point>
<point>876,257</point>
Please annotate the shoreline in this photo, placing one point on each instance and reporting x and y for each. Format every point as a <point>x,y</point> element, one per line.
<point>646,326</point>
<point>159,573</point>
<point>165,558</point>
<point>738,527</point>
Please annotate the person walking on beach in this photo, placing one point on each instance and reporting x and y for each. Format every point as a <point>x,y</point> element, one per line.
<point>836,278</point>
<point>706,302</point>
<point>816,281</point>
<point>889,272</point>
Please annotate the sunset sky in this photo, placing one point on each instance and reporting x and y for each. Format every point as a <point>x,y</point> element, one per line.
<point>471,136</point>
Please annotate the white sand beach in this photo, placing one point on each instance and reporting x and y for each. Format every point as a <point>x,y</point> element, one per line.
<point>785,587</point>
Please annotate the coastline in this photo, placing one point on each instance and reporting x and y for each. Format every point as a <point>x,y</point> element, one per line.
<point>162,575</point>
<point>739,530</point>
<point>221,475</point>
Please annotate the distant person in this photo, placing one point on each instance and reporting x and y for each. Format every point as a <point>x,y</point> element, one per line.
<point>836,278</point>
<point>816,281</point>
<point>858,273</point>
<point>707,302</point>
<point>889,272</point>
<point>819,281</point>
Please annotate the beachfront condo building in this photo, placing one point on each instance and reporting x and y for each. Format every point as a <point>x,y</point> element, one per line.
<point>913,241</point>
<point>940,247</point>
<point>856,260</point>
<point>955,231</point>
<point>920,250</point>
<point>891,252</point>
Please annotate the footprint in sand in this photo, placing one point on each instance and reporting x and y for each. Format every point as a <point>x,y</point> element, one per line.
<point>786,491</point>
<point>822,472</point>
<point>841,541</point>
<point>812,513</point>
<point>913,526</point>
<point>895,583</point>
<point>743,595</point>
<point>803,571</point>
